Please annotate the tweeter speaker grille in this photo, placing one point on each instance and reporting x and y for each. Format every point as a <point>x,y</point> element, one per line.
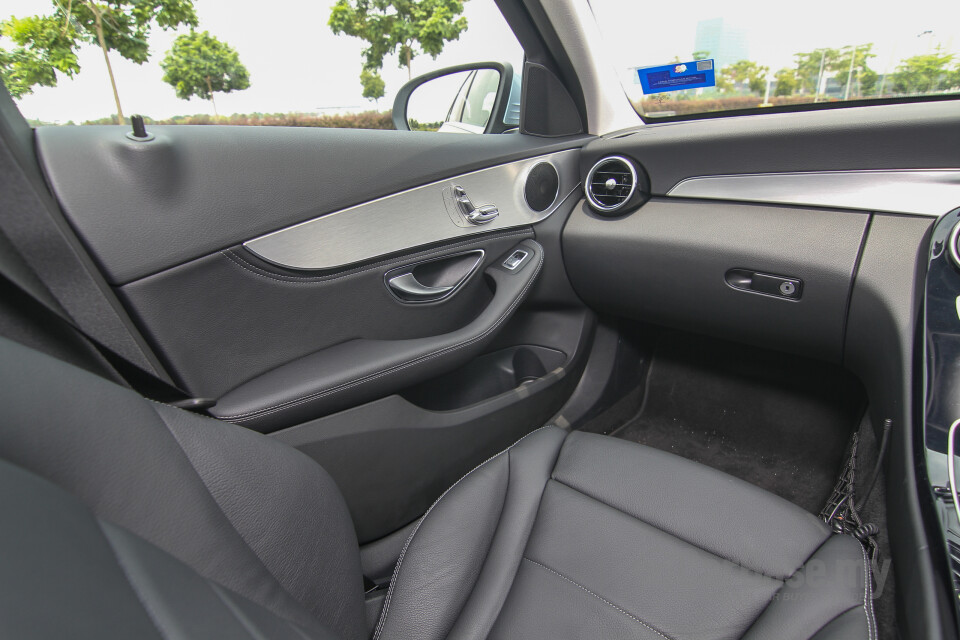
<point>543,185</point>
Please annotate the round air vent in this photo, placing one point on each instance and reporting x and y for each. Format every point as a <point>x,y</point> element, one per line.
<point>610,183</point>
<point>542,187</point>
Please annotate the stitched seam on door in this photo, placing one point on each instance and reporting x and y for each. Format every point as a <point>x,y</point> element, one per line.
<point>239,261</point>
<point>249,415</point>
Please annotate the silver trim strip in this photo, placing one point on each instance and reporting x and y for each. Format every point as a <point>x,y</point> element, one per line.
<point>415,217</point>
<point>925,192</point>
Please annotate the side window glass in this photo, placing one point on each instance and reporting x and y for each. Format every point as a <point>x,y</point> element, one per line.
<point>337,64</point>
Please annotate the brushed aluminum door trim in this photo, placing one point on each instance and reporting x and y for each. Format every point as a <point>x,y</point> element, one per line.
<point>923,192</point>
<point>415,217</point>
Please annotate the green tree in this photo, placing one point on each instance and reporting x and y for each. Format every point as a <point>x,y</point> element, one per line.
<point>923,73</point>
<point>200,65</point>
<point>406,27</point>
<point>373,85</point>
<point>787,83</point>
<point>48,43</point>
<point>862,74</point>
<point>743,73</point>
<point>809,66</point>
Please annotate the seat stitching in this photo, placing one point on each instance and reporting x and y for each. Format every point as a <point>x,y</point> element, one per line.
<point>795,572</point>
<point>868,595</point>
<point>809,557</point>
<point>599,597</point>
<point>126,574</point>
<point>259,413</point>
<point>673,535</point>
<point>396,572</point>
<point>238,615</point>
<point>830,621</point>
<point>241,262</point>
<point>493,538</point>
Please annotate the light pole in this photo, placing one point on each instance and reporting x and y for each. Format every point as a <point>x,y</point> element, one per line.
<point>853,56</point>
<point>823,58</point>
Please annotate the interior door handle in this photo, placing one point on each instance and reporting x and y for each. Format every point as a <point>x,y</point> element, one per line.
<point>409,287</point>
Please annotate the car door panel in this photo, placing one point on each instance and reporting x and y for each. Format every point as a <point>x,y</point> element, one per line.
<point>142,207</point>
<point>246,317</point>
<point>361,369</point>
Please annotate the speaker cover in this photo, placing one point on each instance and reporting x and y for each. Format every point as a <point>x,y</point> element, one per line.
<point>542,186</point>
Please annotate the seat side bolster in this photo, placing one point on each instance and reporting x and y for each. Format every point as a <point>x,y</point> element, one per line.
<point>297,523</point>
<point>459,562</point>
<point>831,593</point>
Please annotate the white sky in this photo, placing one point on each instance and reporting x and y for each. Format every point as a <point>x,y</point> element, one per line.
<point>642,33</point>
<point>297,65</point>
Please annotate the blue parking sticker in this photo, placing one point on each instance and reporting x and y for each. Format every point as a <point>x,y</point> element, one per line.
<point>677,76</point>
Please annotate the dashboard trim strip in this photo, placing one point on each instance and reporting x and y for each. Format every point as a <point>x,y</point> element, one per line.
<point>922,192</point>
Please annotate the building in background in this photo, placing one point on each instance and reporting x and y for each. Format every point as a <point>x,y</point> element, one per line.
<point>724,42</point>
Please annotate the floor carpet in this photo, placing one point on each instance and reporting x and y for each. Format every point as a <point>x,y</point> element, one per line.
<point>780,422</point>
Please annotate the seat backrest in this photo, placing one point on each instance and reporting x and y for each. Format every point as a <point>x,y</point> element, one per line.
<point>240,509</point>
<point>66,574</point>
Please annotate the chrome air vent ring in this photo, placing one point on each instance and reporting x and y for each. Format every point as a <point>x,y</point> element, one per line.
<point>952,249</point>
<point>610,184</point>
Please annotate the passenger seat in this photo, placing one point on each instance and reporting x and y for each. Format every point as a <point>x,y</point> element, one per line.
<point>123,518</point>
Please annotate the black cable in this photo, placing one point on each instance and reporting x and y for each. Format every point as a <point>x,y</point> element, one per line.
<point>876,470</point>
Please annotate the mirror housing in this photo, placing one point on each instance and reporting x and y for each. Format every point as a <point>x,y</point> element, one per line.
<point>505,113</point>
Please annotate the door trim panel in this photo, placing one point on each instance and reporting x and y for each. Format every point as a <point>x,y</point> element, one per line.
<point>415,217</point>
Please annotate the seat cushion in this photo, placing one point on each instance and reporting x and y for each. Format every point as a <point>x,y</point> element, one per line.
<point>585,536</point>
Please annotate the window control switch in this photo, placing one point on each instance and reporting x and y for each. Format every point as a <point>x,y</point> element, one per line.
<point>515,260</point>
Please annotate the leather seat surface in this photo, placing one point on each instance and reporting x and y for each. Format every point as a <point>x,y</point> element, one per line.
<point>586,536</point>
<point>183,526</point>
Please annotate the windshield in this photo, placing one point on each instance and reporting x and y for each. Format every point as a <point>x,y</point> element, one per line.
<point>714,57</point>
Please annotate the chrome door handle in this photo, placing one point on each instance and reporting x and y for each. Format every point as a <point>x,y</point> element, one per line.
<point>474,214</point>
<point>408,285</point>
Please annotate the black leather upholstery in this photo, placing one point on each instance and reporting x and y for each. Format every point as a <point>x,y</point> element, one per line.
<point>358,371</point>
<point>67,574</point>
<point>256,516</point>
<point>247,318</point>
<point>584,536</point>
<point>204,529</point>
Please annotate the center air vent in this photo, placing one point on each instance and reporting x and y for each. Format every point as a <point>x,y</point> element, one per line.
<point>610,183</point>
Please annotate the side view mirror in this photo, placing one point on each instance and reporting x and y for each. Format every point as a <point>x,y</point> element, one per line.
<point>482,97</point>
